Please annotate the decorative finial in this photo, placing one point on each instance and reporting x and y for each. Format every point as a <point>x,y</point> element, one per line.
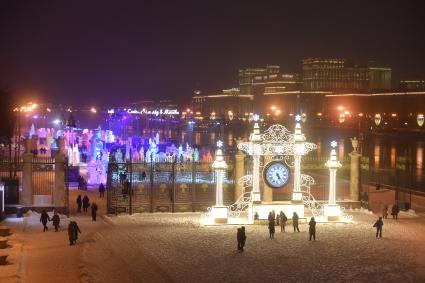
<point>334,144</point>
<point>298,117</point>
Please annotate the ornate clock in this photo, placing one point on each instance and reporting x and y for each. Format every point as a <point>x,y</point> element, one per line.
<point>276,174</point>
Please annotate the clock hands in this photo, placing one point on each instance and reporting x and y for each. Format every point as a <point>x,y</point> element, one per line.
<point>277,174</point>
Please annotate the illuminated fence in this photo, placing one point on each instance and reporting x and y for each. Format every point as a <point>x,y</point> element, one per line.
<point>43,176</point>
<point>164,187</point>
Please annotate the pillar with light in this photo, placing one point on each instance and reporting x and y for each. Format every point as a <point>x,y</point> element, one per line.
<point>298,152</point>
<point>255,144</point>
<point>331,210</point>
<point>219,211</point>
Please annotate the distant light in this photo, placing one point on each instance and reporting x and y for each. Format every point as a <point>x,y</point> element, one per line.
<point>378,119</point>
<point>420,120</point>
<point>341,118</point>
<point>340,108</point>
<point>297,117</point>
<point>49,110</point>
<point>35,117</point>
<point>93,110</point>
<point>334,144</point>
<point>219,143</point>
<point>256,117</point>
<point>361,114</point>
<point>319,114</point>
<point>346,112</point>
<point>56,122</point>
<point>273,107</point>
<point>393,114</point>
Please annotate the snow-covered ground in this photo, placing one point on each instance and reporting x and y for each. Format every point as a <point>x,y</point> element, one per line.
<point>175,248</point>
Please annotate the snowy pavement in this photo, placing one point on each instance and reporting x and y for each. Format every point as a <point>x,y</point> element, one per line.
<point>175,248</point>
<point>167,247</point>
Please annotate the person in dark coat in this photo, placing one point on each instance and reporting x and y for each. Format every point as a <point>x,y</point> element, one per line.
<point>56,220</point>
<point>93,211</point>
<point>79,203</point>
<point>101,190</point>
<point>385,212</point>
<point>243,238</point>
<point>239,238</point>
<point>312,228</point>
<point>378,225</point>
<point>76,231</point>
<point>71,233</point>
<point>394,211</point>
<point>283,220</point>
<point>295,221</point>
<point>43,219</point>
<point>271,225</point>
<point>86,203</point>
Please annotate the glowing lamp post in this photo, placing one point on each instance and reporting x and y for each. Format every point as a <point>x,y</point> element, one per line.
<point>332,210</point>
<point>219,212</point>
<point>298,152</point>
<point>420,120</point>
<point>255,139</point>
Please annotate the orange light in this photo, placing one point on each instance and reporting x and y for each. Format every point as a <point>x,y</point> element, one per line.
<point>346,112</point>
<point>361,114</point>
<point>273,107</point>
<point>319,114</point>
<point>340,108</point>
<point>188,110</point>
<point>393,114</point>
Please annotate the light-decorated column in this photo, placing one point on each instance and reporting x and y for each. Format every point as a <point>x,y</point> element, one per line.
<point>255,145</point>
<point>331,210</point>
<point>219,212</point>
<point>239,172</point>
<point>299,151</point>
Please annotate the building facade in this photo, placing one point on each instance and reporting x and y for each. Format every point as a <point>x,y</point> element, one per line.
<point>339,75</point>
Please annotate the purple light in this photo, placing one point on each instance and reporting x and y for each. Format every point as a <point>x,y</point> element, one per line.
<point>35,116</point>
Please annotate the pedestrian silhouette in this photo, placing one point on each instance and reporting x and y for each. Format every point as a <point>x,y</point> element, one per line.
<point>385,212</point>
<point>283,220</point>
<point>378,225</point>
<point>56,220</point>
<point>43,219</point>
<point>295,219</point>
<point>86,203</point>
<point>394,211</point>
<point>93,211</point>
<point>79,203</point>
<point>312,228</point>
<point>101,190</point>
<point>271,225</point>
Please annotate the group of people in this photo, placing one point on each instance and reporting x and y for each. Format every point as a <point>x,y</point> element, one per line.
<point>85,203</point>
<point>394,211</point>
<point>281,220</point>
<point>379,223</point>
<point>44,218</point>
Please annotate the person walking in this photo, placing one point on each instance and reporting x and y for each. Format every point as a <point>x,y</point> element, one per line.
<point>312,228</point>
<point>283,220</point>
<point>93,211</point>
<point>295,219</point>
<point>71,233</point>
<point>79,203</point>
<point>378,225</point>
<point>86,203</point>
<point>56,220</point>
<point>43,219</point>
<point>394,211</point>
<point>243,238</point>
<point>385,212</point>
<point>271,225</point>
<point>76,231</point>
<point>101,190</point>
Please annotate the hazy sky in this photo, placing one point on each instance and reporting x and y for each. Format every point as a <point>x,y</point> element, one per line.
<point>97,52</point>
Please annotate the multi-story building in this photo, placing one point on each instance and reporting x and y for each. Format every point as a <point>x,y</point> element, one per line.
<point>412,85</point>
<point>339,75</point>
<point>228,103</point>
<point>269,81</point>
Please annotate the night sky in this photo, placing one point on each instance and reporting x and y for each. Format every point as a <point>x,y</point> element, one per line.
<point>116,52</point>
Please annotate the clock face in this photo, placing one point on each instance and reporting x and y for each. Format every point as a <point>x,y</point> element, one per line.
<point>276,174</point>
